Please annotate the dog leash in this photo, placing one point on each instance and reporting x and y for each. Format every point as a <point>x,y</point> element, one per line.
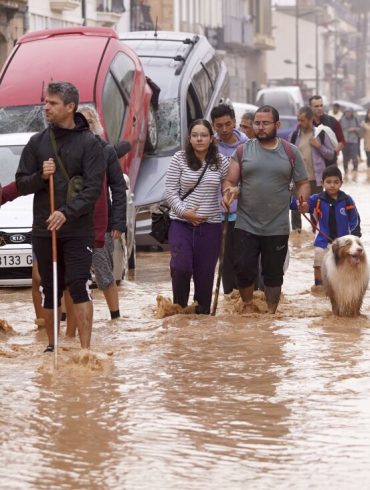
<point>314,226</point>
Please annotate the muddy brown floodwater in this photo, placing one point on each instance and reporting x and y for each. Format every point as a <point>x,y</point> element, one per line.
<point>192,402</point>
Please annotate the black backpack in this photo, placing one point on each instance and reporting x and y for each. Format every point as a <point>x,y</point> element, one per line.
<point>332,161</point>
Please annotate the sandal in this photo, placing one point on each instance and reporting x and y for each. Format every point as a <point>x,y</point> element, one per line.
<point>49,348</point>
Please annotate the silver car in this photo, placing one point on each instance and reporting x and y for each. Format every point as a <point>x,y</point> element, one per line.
<point>192,79</point>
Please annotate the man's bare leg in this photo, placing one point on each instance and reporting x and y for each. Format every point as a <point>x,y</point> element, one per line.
<point>111,297</point>
<point>84,316</point>
<point>36,296</point>
<point>48,314</point>
<point>71,317</point>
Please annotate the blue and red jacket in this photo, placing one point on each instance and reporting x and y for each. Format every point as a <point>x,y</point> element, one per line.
<point>346,216</point>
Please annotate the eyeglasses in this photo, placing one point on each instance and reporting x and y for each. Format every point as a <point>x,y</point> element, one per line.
<point>262,123</point>
<point>199,135</point>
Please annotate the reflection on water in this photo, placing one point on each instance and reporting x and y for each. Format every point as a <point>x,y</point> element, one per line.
<point>232,401</point>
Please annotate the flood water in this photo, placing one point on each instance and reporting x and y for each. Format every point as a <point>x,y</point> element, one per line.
<point>192,402</point>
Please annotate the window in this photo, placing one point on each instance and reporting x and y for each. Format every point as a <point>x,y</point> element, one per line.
<point>203,87</point>
<point>213,68</point>
<point>193,108</point>
<point>123,69</point>
<point>114,109</point>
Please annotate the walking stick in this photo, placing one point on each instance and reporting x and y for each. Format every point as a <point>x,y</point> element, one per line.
<point>220,263</point>
<point>55,274</point>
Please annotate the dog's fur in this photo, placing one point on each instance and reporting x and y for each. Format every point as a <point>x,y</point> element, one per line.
<point>345,274</point>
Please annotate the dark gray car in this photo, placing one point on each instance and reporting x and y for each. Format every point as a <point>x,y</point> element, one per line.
<point>192,80</point>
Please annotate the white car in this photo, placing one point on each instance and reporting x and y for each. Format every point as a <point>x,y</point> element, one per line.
<point>241,108</point>
<point>15,218</point>
<point>16,223</point>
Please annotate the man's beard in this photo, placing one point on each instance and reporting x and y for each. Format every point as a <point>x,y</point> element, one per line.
<point>267,137</point>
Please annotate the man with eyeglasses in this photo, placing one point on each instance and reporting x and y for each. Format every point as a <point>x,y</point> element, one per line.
<point>228,139</point>
<point>262,225</point>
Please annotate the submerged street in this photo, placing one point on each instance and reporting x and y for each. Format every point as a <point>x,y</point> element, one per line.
<point>192,402</point>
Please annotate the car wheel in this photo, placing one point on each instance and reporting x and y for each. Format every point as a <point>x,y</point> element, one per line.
<point>132,258</point>
<point>152,131</point>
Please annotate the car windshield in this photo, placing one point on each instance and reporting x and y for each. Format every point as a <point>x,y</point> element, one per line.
<point>22,119</point>
<point>9,160</point>
<point>162,72</point>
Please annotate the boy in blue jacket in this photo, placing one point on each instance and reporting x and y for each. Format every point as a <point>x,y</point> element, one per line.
<point>335,212</point>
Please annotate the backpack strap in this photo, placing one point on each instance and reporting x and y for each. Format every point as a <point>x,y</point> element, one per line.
<point>349,203</point>
<point>318,212</point>
<point>290,154</point>
<point>239,153</point>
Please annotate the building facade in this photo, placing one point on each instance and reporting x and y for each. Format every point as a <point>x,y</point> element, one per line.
<point>322,46</point>
<point>22,16</point>
<point>12,15</point>
<point>240,30</point>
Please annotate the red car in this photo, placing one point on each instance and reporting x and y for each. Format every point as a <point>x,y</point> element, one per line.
<point>107,73</point>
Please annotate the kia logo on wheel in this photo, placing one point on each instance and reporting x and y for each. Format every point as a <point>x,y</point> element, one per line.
<point>17,238</point>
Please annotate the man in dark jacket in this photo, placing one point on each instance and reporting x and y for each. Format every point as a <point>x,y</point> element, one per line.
<point>319,117</point>
<point>80,153</point>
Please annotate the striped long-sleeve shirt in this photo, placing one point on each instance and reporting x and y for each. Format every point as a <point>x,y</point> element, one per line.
<point>205,198</point>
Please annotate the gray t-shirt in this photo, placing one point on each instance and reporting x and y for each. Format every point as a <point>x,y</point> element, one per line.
<point>263,205</point>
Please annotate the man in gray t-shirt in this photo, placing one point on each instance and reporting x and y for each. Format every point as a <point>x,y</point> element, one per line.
<point>262,224</point>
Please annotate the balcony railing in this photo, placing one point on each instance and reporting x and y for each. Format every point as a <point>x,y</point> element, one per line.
<point>60,5</point>
<point>239,32</point>
<point>263,41</point>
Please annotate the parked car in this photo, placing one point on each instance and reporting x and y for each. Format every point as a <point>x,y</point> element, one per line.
<point>15,218</point>
<point>241,108</point>
<point>286,99</point>
<point>107,73</point>
<point>192,79</point>
<point>16,222</point>
<point>287,125</point>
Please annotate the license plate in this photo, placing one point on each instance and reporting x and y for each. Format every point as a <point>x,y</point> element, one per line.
<point>15,260</point>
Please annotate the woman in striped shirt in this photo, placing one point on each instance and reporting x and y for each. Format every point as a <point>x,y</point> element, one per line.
<point>195,230</point>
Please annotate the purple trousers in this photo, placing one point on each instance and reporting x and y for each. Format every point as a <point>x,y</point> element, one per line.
<point>194,253</point>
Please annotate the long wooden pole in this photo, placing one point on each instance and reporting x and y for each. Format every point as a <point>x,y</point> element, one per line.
<point>55,274</point>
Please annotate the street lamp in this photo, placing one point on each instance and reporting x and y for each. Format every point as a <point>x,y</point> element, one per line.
<point>297,16</point>
<point>296,42</point>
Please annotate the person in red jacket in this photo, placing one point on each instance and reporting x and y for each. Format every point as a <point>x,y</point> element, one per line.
<point>8,193</point>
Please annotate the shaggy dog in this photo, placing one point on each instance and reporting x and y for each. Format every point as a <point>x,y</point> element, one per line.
<point>345,274</point>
